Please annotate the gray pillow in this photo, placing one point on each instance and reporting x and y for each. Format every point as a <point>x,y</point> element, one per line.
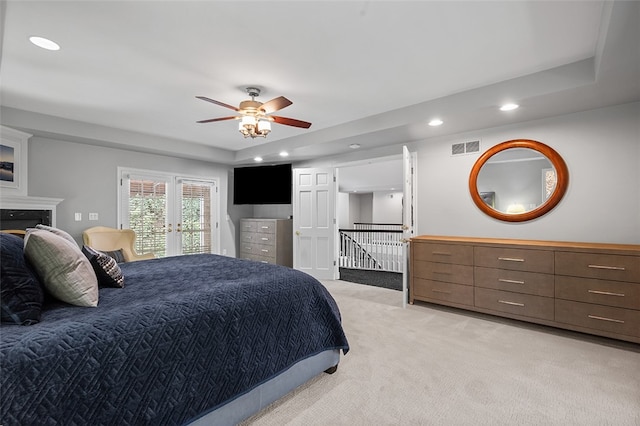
<point>59,232</point>
<point>64,271</point>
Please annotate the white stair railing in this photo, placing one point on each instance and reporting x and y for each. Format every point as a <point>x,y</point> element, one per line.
<point>369,247</point>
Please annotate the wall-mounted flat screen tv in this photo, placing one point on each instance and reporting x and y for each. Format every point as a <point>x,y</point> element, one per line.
<point>262,184</point>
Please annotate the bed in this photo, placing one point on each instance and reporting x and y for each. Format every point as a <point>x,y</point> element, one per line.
<point>198,339</point>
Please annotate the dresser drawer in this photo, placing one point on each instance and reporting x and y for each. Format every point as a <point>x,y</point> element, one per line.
<point>515,303</point>
<point>598,317</point>
<point>516,281</point>
<point>258,258</point>
<point>448,292</point>
<point>265,239</point>
<point>248,237</point>
<point>248,226</point>
<point>266,227</point>
<point>443,253</point>
<point>603,266</point>
<point>447,272</point>
<point>601,292</point>
<point>514,259</point>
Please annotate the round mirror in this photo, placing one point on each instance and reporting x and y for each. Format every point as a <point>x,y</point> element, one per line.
<point>518,180</point>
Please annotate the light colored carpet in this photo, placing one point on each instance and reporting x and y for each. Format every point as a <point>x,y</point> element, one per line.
<point>436,366</point>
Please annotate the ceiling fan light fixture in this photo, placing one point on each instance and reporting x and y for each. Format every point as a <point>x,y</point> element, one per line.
<point>254,117</point>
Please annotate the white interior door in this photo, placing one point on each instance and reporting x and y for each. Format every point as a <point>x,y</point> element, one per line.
<point>408,212</point>
<point>314,222</point>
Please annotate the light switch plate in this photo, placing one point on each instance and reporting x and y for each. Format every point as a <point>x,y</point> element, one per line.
<point>93,216</point>
<point>78,217</point>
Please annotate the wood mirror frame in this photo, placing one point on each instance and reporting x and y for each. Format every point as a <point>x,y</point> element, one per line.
<point>556,160</point>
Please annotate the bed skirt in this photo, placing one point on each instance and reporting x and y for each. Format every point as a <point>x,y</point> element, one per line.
<point>250,403</point>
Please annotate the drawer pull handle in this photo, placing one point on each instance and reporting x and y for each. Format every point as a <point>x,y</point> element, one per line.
<point>611,268</point>
<point>264,239</point>
<point>504,280</point>
<point>506,302</point>
<point>264,227</point>
<point>511,259</point>
<point>441,253</point>
<point>265,251</point>
<point>606,319</point>
<point>606,293</point>
<point>441,291</point>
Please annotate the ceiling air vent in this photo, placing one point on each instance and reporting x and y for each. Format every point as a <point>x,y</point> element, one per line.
<point>465,147</point>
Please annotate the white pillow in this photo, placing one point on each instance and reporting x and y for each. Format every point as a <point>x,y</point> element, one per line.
<point>64,270</point>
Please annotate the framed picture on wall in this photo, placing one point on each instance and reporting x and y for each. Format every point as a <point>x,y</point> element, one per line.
<point>13,161</point>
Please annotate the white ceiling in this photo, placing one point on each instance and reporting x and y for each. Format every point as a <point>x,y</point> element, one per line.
<point>371,72</point>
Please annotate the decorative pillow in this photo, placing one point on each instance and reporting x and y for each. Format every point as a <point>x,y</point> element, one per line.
<point>65,272</point>
<point>107,270</point>
<point>117,255</point>
<point>21,292</point>
<point>58,232</point>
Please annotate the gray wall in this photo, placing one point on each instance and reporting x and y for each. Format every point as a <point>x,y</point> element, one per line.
<point>602,151</point>
<point>85,176</point>
<point>601,148</point>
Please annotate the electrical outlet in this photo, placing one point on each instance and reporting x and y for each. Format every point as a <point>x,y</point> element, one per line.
<point>77,217</point>
<point>93,216</point>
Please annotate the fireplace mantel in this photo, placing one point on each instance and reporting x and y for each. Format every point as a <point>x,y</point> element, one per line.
<point>21,202</point>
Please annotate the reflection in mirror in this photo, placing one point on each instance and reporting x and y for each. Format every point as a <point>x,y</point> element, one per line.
<point>518,180</point>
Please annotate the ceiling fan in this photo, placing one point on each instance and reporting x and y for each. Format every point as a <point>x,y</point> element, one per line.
<point>254,116</point>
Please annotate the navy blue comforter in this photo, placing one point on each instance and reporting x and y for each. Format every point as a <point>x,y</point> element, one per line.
<point>184,335</point>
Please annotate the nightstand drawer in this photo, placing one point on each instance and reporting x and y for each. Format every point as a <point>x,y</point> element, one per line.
<point>447,272</point>
<point>515,303</point>
<point>516,281</point>
<point>602,266</point>
<point>443,253</point>
<point>601,292</point>
<point>598,317</point>
<point>436,290</point>
<point>514,259</point>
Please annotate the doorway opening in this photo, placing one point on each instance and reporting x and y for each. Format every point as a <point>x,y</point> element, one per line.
<point>369,218</point>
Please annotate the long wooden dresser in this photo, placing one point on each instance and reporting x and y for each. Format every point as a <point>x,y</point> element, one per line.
<point>267,240</point>
<point>587,287</point>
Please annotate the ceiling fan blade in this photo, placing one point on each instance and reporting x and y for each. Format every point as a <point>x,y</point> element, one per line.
<point>222,104</point>
<point>291,122</point>
<point>211,120</point>
<point>275,104</point>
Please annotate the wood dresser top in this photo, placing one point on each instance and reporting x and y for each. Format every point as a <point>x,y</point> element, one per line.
<point>630,249</point>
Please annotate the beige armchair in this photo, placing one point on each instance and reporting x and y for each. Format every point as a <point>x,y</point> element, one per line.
<point>109,239</point>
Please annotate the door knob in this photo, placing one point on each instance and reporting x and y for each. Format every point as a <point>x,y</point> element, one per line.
<point>298,233</point>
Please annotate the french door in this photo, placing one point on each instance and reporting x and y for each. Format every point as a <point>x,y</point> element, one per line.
<point>170,214</point>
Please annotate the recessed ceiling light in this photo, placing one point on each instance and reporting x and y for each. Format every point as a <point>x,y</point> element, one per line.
<point>44,43</point>
<point>257,159</point>
<point>435,122</point>
<point>284,154</point>
<point>354,146</point>
<point>509,107</point>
